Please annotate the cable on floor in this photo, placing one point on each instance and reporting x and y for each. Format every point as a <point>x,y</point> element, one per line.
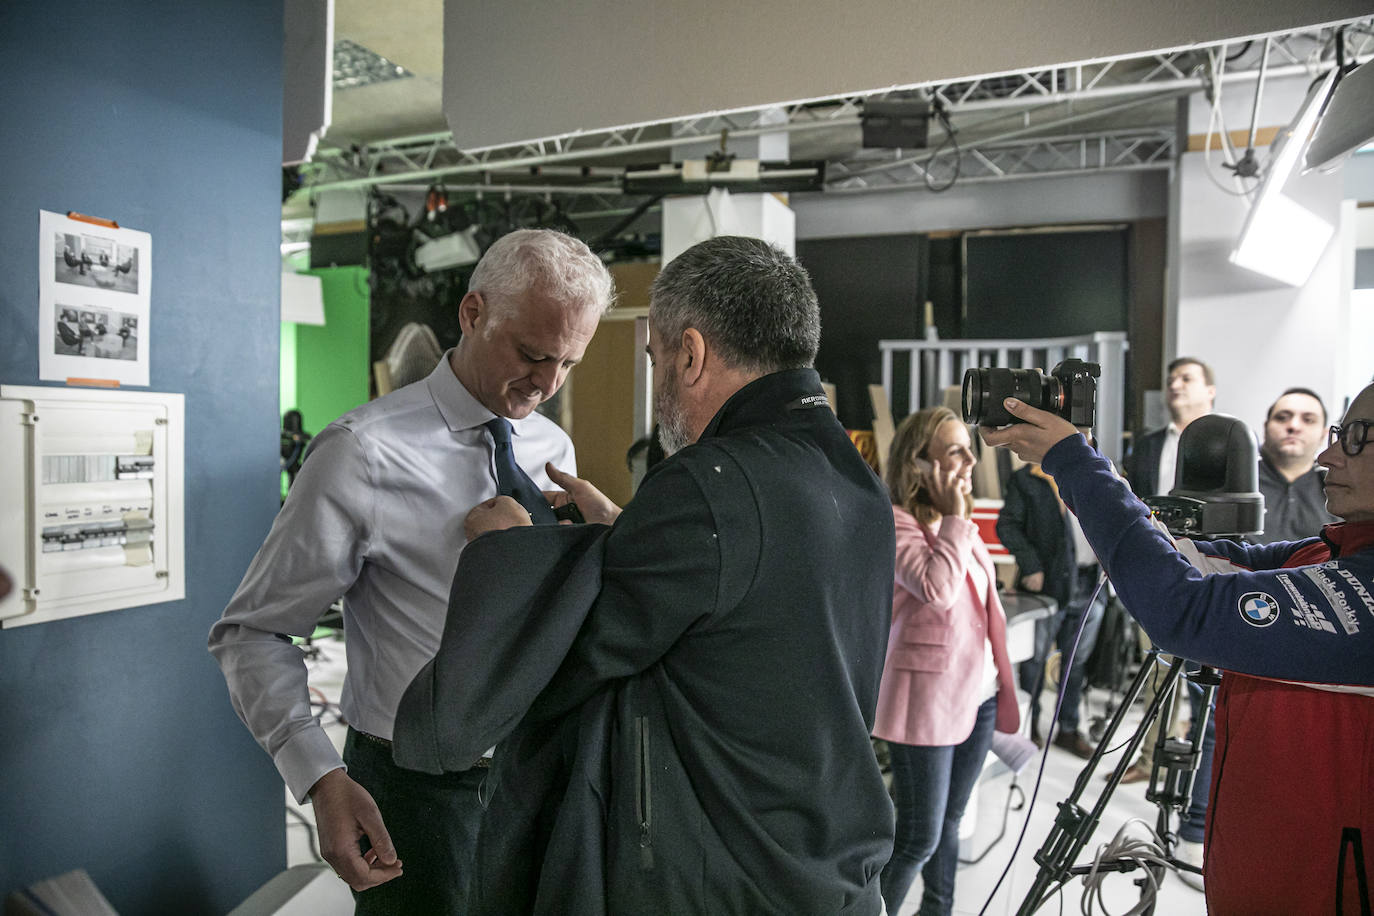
<point>309,832</point>
<point>1148,855</point>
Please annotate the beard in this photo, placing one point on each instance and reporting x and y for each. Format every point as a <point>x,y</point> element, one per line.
<point>673,434</point>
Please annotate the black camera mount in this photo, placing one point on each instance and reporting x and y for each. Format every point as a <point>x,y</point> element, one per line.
<point>1176,761</point>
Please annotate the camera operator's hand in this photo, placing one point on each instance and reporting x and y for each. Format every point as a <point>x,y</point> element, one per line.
<point>495,514</point>
<point>595,506</point>
<point>1036,434</point>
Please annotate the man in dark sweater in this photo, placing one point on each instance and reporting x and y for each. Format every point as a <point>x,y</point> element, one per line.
<point>1294,502</point>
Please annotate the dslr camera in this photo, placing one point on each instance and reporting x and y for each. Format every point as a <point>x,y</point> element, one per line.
<point>1070,390</point>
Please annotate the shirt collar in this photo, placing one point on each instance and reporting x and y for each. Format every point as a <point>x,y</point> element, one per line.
<point>456,404</point>
<point>1346,538</point>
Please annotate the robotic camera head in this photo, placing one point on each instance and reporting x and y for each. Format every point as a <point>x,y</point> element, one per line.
<point>1216,482</point>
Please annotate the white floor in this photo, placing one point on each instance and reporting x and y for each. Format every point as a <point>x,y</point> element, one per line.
<point>974,890</point>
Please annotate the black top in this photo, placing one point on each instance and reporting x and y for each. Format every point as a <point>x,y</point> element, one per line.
<point>1142,463</point>
<point>1292,511</point>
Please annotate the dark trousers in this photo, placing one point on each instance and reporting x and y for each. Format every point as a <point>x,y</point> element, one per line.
<point>1059,630</point>
<point>433,823</point>
<point>932,786</point>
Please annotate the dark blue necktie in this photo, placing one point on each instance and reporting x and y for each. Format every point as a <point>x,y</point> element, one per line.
<point>512,481</point>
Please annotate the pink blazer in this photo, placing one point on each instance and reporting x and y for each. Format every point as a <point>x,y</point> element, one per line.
<point>934,667</point>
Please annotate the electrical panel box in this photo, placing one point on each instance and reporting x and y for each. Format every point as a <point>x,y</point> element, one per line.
<point>91,501</point>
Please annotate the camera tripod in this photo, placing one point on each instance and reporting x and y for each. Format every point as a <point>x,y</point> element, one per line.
<point>1175,761</point>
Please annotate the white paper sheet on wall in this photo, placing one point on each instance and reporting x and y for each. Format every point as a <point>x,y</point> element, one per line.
<point>94,294</point>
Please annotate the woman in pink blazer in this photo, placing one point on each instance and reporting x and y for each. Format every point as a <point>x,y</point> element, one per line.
<point>947,683</point>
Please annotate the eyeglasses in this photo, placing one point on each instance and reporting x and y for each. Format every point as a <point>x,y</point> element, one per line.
<point>1352,436</point>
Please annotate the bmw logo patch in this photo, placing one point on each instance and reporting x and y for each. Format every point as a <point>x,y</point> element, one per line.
<point>1258,609</point>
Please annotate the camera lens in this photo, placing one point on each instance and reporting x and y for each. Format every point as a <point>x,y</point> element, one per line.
<point>972,395</point>
<point>984,391</point>
<point>1069,391</point>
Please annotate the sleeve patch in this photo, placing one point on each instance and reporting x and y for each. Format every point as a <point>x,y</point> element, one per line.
<point>1258,609</point>
<point>1335,596</point>
<point>1305,613</point>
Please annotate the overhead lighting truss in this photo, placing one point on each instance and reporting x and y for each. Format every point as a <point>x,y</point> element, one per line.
<point>1124,150</point>
<point>575,164</point>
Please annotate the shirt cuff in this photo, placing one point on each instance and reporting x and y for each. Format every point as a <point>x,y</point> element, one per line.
<point>304,758</point>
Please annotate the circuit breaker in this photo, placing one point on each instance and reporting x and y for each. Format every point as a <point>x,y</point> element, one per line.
<point>91,501</point>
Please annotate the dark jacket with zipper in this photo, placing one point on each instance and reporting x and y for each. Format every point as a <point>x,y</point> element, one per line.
<point>703,744</point>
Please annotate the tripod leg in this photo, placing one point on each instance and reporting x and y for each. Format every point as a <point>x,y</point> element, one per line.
<point>1072,826</point>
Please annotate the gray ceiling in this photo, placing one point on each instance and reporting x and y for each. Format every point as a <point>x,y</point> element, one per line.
<point>409,33</point>
<point>1008,124</point>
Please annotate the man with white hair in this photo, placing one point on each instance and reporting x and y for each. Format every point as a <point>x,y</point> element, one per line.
<point>376,516</point>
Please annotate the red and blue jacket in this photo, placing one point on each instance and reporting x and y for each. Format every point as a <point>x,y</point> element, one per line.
<point>1290,826</point>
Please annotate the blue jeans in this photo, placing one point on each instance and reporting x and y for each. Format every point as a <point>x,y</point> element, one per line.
<point>932,786</point>
<point>433,824</point>
<point>1193,824</point>
<point>1059,630</point>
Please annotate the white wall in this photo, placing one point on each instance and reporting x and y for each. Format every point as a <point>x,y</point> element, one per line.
<point>1357,227</point>
<point>1259,336</point>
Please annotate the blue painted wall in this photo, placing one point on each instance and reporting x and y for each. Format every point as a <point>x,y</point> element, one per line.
<point>119,752</point>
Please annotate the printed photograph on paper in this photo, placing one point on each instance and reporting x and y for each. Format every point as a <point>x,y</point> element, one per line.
<point>95,332</point>
<point>90,259</point>
<point>95,300</point>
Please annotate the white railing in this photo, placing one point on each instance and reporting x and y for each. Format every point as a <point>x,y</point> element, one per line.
<point>934,365</point>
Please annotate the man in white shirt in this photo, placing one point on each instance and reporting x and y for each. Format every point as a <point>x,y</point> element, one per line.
<point>376,515</point>
<point>1190,392</point>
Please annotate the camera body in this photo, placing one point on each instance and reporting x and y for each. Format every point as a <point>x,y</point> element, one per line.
<point>1070,390</point>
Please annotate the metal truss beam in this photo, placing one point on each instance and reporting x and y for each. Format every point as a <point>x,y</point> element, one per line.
<point>1142,78</point>
<point>1131,149</point>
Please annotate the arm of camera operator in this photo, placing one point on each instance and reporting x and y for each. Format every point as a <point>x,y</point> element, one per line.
<point>1305,624</point>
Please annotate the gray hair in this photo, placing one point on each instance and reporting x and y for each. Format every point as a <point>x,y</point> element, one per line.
<point>749,299</point>
<point>541,260</point>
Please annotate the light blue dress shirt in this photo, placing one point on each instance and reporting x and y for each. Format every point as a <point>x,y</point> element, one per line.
<point>376,516</point>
